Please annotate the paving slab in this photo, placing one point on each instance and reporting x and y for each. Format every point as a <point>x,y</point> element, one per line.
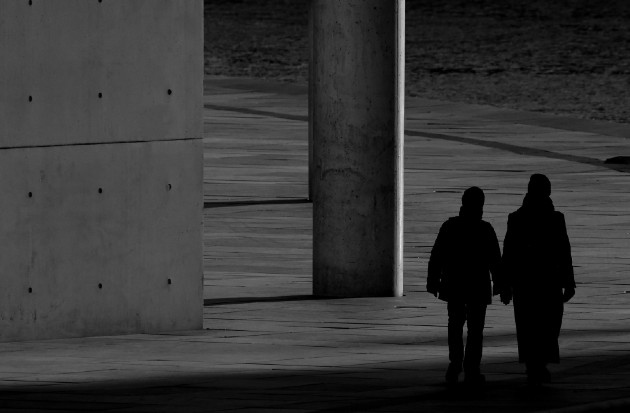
<point>268,345</point>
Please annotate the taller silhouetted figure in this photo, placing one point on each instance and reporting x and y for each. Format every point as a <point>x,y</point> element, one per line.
<point>465,252</point>
<point>539,274</point>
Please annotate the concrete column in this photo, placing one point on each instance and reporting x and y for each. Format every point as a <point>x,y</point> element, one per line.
<point>357,126</point>
<point>310,101</point>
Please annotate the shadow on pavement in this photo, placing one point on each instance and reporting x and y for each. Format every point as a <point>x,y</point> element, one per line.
<point>224,204</point>
<point>209,302</point>
<point>416,386</point>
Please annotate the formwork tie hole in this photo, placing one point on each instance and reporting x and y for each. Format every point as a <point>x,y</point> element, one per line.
<point>30,290</point>
<point>30,98</point>
<point>100,95</point>
<point>100,190</point>
<point>30,194</point>
<point>169,187</point>
<point>100,286</point>
<point>170,92</point>
<point>169,281</point>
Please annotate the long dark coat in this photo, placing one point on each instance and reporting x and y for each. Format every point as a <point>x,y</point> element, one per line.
<point>464,255</point>
<point>537,265</point>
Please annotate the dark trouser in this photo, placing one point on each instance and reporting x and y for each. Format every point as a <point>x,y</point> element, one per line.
<point>458,314</point>
<point>538,320</point>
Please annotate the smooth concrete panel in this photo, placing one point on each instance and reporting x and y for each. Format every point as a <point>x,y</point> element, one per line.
<point>91,236</point>
<point>56,57</point>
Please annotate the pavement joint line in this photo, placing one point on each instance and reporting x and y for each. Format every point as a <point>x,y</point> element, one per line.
<point>100,143</point>
<point>516,149</point>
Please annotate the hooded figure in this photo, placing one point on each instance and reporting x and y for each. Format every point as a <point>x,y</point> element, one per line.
<point>539,276</point>
<point>465,252</point>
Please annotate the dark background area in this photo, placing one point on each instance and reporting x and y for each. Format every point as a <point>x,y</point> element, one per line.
<point>555,56</point>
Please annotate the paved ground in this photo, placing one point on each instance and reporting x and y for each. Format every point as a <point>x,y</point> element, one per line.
<point>269,346</point>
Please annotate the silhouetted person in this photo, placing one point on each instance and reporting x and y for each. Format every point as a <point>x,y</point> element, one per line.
<point>539,273</point>
<point>465,252</point>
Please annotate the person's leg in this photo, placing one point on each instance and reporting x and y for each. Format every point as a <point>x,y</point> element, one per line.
<point>476,315</point>
<point>456,320</point>
<point>526,317</point>
<point>547,350</point>
<point>545,321</point>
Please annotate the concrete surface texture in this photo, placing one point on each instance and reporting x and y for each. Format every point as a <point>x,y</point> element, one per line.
<point>269,346</point>
<point>100,137</point>
<point>357,147</point>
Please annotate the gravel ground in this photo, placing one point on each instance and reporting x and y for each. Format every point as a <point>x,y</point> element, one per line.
<point>555,56</point>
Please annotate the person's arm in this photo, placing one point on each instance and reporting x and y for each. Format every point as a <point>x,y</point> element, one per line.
<point>434,273</point>
<point>506,262</point>
<point>495,261</point>
<point>565,260</point>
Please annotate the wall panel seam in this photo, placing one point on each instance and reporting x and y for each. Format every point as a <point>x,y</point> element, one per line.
<point>96,143</point>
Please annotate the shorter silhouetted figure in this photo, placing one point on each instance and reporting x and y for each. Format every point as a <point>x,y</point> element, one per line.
<point>465,252</point>
<point>539,274</point>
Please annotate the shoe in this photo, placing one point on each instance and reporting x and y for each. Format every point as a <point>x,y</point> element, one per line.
<point>545,375</point>
<point>533,380</point>
<point>537,374</point>
<point>474,378</point>
<point>452,373</point>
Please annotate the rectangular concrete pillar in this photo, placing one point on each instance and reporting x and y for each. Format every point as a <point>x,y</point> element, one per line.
<point>357,111</point>
<point>100,167</point>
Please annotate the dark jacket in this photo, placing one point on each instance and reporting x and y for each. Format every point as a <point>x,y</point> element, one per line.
<point>537,266</point>
<point>536,249</point>
<point>465,252</point>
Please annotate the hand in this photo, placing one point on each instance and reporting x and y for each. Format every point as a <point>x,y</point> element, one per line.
<point>506,295</point>
<point>568,294</point>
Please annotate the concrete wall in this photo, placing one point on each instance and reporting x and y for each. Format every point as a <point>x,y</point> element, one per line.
<point>100,167</point>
